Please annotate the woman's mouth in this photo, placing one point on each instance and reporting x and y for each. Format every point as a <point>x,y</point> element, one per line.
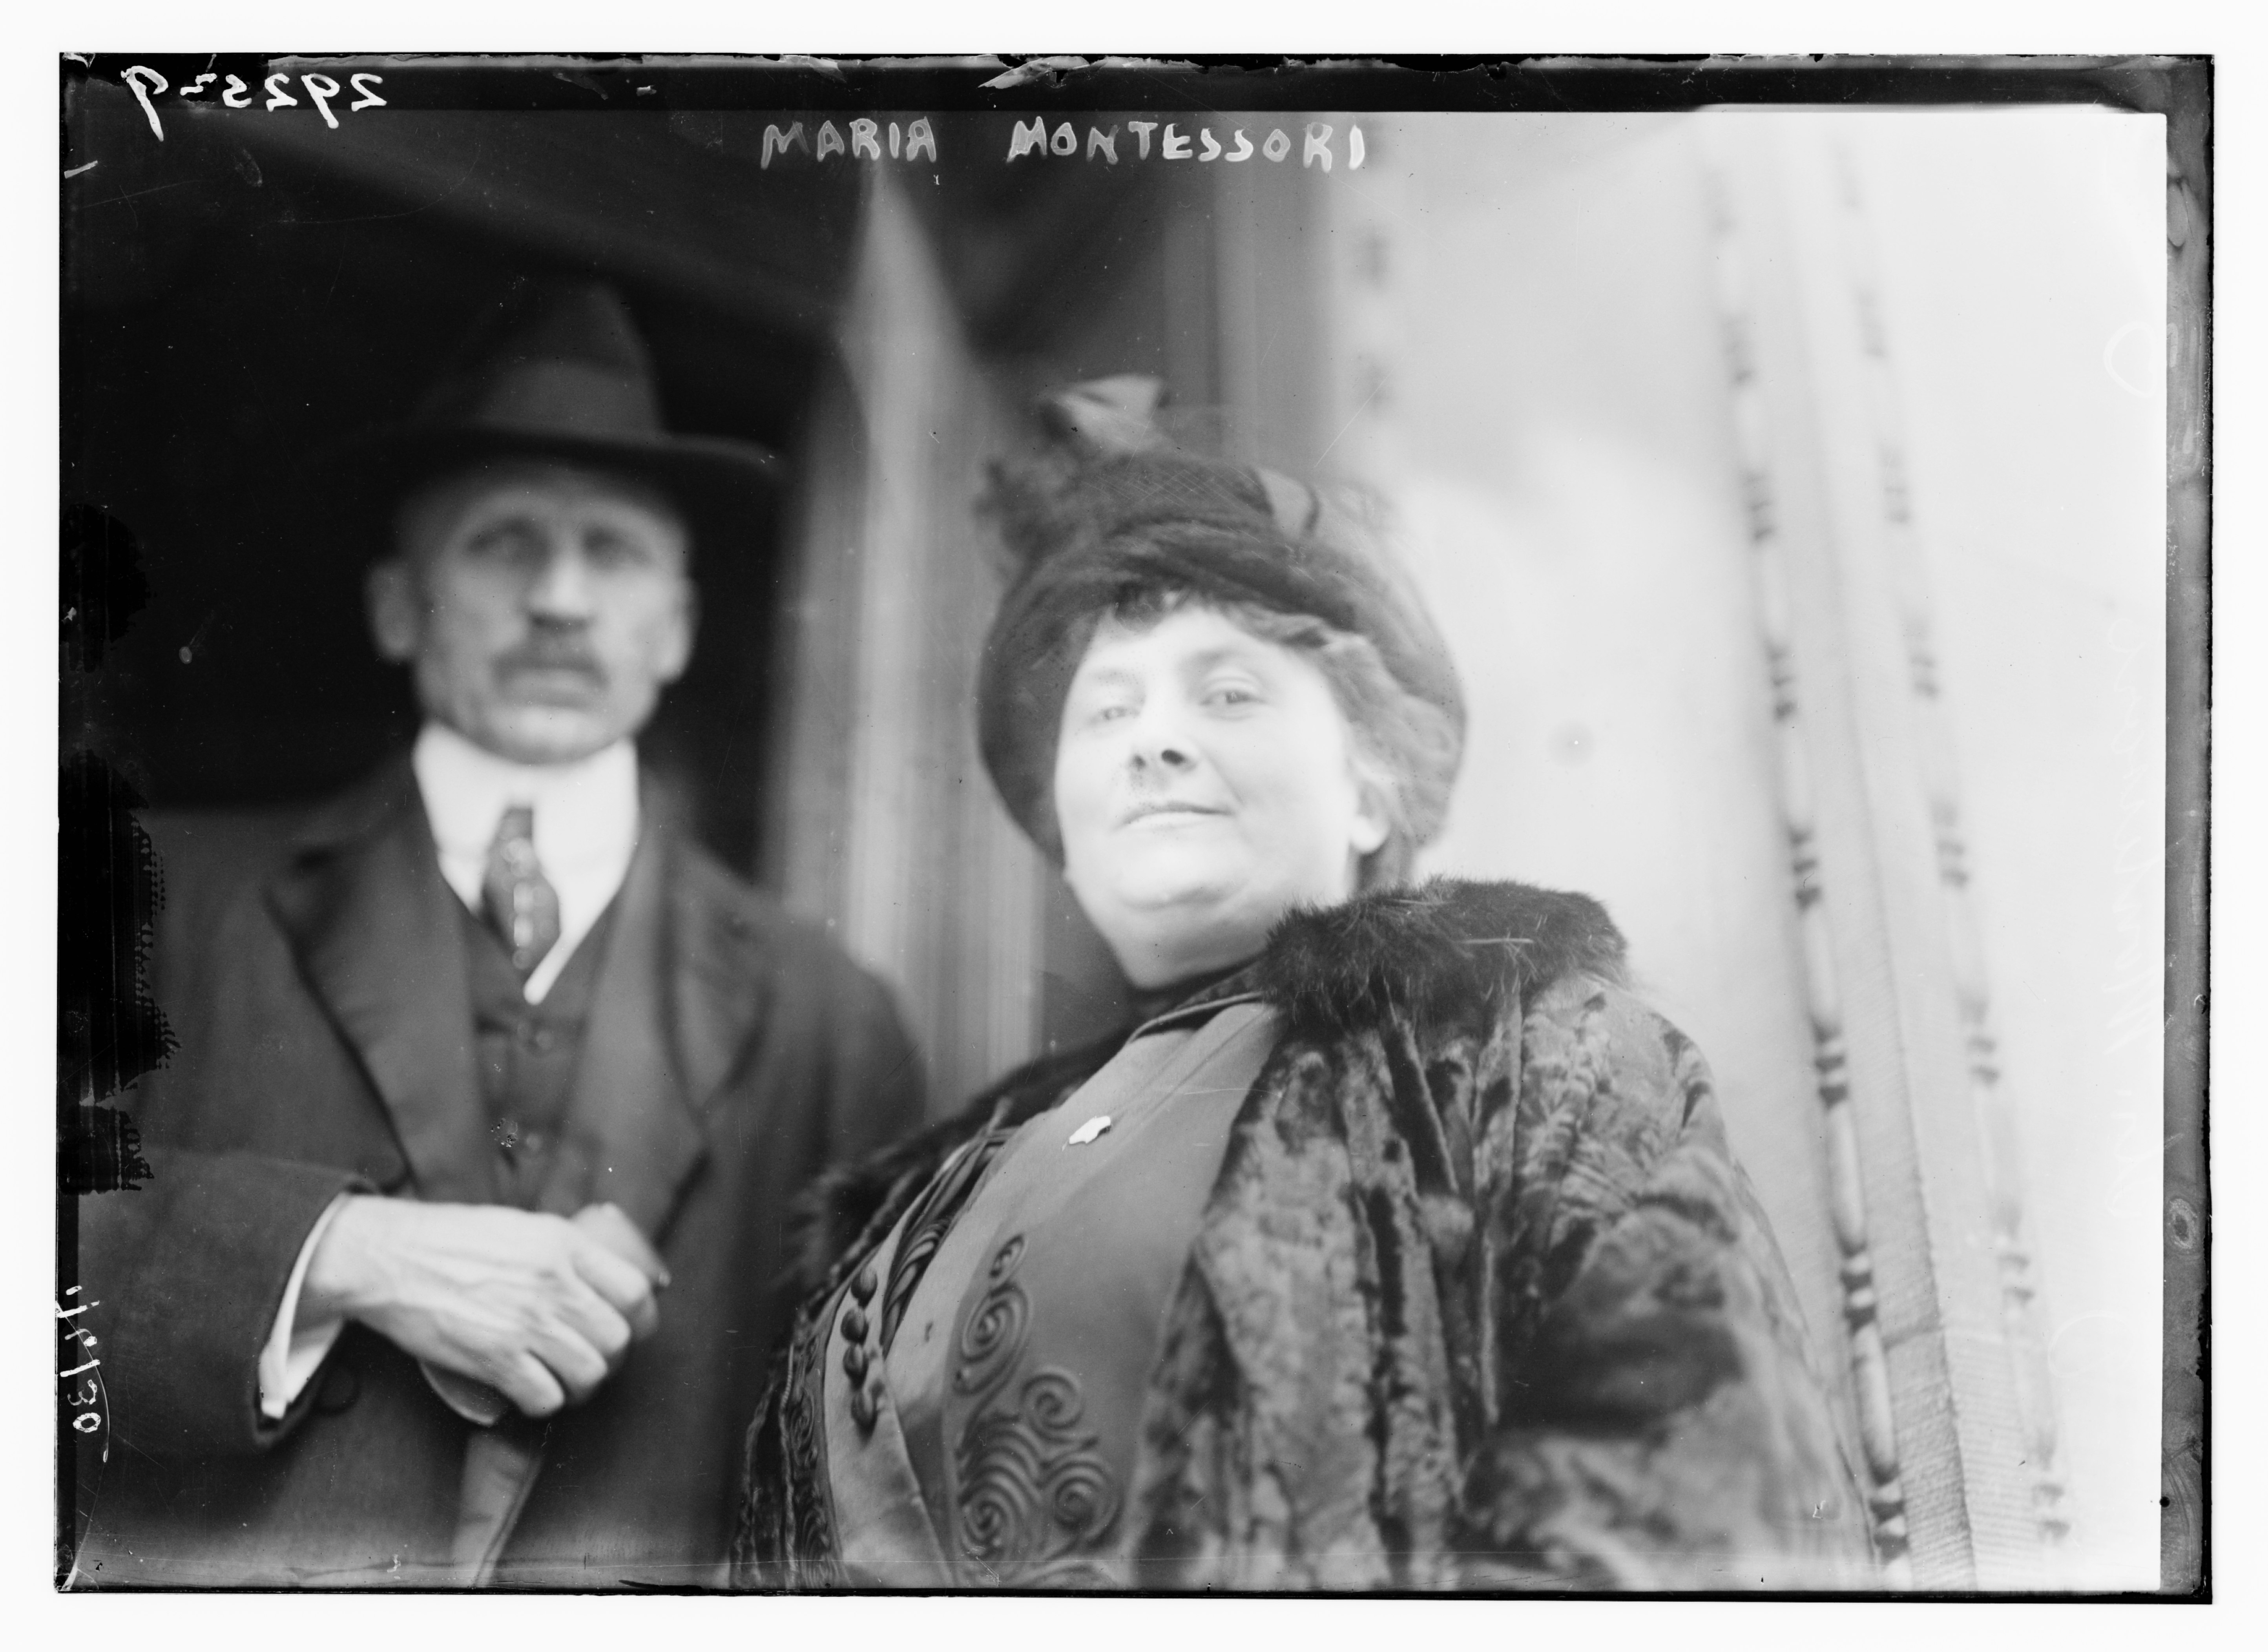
<point>1166,812</point>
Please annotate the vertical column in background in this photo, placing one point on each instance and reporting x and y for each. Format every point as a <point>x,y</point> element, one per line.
<point>1939,776</point>
<point>1786,544</point>
<point>892,835</point>
<point>1366,260</point>
<point>1273,249</point>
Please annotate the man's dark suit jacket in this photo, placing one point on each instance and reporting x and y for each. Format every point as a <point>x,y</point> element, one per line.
<point>313,969</point>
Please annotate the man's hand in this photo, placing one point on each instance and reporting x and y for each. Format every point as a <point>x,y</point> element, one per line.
<point>532,1304</point>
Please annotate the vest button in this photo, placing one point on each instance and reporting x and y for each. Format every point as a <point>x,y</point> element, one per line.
<point>854,1324</point>
<point>340,1388</point>
<point>862,1287</point>
<point>854,1362</point>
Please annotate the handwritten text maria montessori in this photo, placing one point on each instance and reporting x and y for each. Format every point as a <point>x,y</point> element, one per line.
<point>867,140</point>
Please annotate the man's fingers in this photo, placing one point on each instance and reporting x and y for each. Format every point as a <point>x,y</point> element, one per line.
<point>626,1289</point>
<point>580,1367</point>
<point>528,1383</point>
<point>542,1307</point>
<point>591,1317</point>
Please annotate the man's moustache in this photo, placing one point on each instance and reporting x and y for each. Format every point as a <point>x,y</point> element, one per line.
<point>549,659</point>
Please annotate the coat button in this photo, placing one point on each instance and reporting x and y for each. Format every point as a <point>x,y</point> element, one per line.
<point>862,1410</point>
<point>854,1362</point>
<point>862,1287</point>
<point>339,1388</point>
<point>854,1324</point>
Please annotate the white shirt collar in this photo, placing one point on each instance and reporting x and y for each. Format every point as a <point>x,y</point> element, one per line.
<point>586,819</point>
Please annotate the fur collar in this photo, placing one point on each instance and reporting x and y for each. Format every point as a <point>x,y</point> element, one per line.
<point>1422,952</point>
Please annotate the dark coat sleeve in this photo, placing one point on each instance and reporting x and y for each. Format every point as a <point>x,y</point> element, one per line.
<point>189,1267</point>
<point>220,1232</point>
<point>1661,1419</point>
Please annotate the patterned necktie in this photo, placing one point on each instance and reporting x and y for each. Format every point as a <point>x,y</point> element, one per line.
<point>520,904</point>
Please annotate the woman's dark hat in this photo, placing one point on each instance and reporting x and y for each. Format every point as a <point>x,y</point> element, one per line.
<point>1109,505</point>
<point>557,371</point>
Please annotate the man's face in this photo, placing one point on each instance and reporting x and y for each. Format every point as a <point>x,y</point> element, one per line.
<point>540,607</point>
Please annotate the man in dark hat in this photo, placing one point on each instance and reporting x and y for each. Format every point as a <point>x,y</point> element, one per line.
<point>459,1262</point>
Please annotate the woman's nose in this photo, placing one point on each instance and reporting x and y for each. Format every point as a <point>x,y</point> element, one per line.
<point>1161,756</point>
<point>1159,742</point>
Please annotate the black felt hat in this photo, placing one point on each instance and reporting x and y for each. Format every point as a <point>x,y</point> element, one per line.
<point>557,371</point>
<point>1110,504</point>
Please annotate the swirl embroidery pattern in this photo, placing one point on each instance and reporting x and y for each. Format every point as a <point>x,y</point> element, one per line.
<point>1034,1497</point>
<point>929,1221</point>
<point>810,1535</point>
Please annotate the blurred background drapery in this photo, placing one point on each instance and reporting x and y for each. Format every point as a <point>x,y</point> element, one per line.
<point>1791,487</point>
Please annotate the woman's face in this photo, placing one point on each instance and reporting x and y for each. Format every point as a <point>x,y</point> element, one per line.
<point>1204,786</point>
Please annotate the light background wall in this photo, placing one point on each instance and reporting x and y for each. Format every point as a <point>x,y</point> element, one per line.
<point>1528,368</point>
<point>2023,262</point>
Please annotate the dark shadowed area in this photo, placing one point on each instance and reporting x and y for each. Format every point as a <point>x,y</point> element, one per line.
<point>251,290</point>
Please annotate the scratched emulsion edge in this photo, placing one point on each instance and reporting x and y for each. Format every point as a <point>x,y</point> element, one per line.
<point>108,1031</point>
<point>2185,95</point>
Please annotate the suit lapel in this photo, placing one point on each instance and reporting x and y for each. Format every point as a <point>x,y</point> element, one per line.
<point>377,935</point>
<point>673,1005</point>
<point>720,984</point>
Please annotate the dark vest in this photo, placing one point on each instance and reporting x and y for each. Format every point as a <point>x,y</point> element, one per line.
<point>527,1054</point>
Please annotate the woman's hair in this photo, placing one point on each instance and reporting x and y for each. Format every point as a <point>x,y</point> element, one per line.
<point>1404,750</point>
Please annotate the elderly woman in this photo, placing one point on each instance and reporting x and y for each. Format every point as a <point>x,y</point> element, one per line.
<point>1397,1246</point>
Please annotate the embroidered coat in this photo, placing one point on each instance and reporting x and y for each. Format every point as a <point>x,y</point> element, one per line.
<point>1479,1299</point>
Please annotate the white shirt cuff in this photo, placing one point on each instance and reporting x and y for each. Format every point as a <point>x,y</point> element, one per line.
<point>295,1351</point>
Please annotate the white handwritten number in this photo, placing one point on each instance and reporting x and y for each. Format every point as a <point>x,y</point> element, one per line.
<point>86,1422</point>
<point>323,89</point>
<point>145,82</point>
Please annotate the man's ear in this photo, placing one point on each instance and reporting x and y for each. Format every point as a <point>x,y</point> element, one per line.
<point>677,651</point>
<point>396,612</point>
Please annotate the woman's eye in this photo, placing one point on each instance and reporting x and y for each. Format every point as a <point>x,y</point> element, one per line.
<point>1092,712</point>
<point>1230,694</point>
